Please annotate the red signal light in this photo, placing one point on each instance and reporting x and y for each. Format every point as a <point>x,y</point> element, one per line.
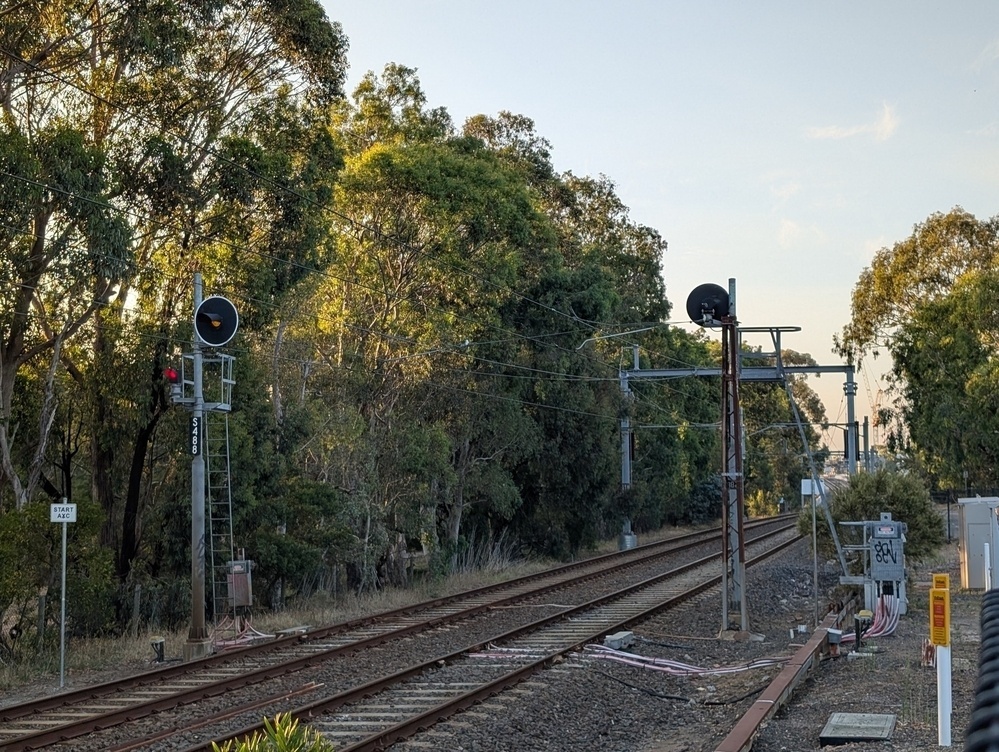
<point>171,374</point>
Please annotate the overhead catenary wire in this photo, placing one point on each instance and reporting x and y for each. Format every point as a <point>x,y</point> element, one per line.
<point>535,371</point>
<point>515,335</point>
<point>362,226</point>
<point>324,273</point>
<point>428,382</point>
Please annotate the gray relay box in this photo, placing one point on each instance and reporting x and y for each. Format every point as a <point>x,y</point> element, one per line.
<point>886,548</point>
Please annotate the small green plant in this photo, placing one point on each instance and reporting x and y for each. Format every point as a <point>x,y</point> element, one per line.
<point>283,735</point>
<point>759,504</point>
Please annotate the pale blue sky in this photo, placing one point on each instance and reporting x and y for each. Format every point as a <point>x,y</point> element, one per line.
<point>779,143</point>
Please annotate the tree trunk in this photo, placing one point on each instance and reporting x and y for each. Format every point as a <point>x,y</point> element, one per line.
<point>102,444</point>
<point>131,523</point>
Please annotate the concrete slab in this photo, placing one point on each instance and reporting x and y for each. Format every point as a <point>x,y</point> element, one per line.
<point>843,728</point>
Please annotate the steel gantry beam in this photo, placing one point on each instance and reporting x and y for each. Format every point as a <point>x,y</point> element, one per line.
<point>732,373</point>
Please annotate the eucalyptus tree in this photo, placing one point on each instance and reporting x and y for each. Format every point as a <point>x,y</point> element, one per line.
<point>208,115</point>
<point>600,275</point>
<point>64,250</point>
<point>944,362</point>
<point>916,302</point>
<point>431,230</point>
<point>675,427</point>
<point>612,266</point>
<point>919,269</point>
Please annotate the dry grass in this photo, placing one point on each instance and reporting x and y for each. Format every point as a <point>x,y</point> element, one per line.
<point>323,609</point>
<point>82,656</point>
<point>102,658</point>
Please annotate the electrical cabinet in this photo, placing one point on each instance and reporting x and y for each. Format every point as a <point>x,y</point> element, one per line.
<point>887,561</point>
<point>240,585</point>
<point>979,531</point>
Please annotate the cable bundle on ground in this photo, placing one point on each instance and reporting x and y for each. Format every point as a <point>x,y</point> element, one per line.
<point>886,614</point>
<point>674,667</point>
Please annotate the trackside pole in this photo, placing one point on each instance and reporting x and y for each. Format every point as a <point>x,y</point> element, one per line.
<point>988,568</point>
<point>198,644</point>
<point>940,637</point>
<point>62,617</point>
<point>63,513</point>
<point>944,699</point>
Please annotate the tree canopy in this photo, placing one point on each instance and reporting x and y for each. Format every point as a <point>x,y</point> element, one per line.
<point>928,303</point>
<point>413,298</point>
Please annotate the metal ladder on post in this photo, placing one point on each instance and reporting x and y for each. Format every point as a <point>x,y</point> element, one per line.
<point>218,499</point>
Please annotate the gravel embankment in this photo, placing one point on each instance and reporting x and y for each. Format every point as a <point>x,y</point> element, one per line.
<point>601,705</point>
<point>592,703</point>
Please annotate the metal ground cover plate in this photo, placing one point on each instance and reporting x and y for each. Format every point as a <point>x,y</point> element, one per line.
<point>843,728</point>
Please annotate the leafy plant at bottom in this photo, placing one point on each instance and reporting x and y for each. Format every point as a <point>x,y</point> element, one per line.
<point>283,735</point>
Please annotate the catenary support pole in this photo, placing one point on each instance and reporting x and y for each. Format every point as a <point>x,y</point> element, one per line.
<point>815,562</point>
<point>625,434</point>
<point>867,444</point>
<point>732,481</point>
<point>850,390</point>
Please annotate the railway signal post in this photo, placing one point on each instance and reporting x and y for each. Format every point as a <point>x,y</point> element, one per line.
<point>215,324</point>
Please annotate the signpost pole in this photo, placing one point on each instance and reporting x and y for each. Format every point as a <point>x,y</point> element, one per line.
<point>940,637</point>
<point>62,618</point>
<point>63,513</point>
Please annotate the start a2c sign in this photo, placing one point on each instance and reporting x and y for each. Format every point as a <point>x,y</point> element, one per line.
<point>62,513</point>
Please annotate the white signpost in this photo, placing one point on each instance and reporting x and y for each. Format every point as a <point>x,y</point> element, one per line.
<point>813,488</point>
<point>64,513</point>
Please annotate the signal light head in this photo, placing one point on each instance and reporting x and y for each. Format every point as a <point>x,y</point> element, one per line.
<point>171,374</point>
<point>216,321</point>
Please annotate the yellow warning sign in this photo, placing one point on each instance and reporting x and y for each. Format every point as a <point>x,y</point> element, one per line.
<point>941,581</point>
<point>940,616</point>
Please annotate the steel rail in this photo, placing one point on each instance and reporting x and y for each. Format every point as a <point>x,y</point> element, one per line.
<point>158,675</point>
<point>60,732</point>
<point>396,733</point>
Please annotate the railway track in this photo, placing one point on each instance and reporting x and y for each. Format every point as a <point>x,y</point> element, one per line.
<point>502,633</point>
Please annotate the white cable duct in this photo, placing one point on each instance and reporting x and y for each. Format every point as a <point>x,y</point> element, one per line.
<point>886,617</point>
<point>675,667</point>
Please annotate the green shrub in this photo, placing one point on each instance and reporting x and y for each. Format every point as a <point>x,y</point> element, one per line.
<point>869,494</point>
<point>283,735</point>
<point>761,504</point>
<point>704,503</point>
